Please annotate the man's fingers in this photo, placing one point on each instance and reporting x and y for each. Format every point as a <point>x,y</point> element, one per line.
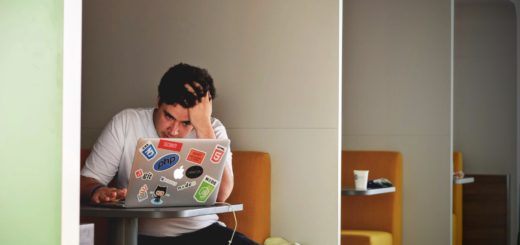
<point>104,196</point>
<point>108,195</point>
<point>207,97</point>
<point>95,199</point>
<point>121,194</point>
<point>196,90</point>
<point>191,97</point>
<point>189,88</point>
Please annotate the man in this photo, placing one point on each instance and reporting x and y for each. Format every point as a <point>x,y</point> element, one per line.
<point>183,110</point>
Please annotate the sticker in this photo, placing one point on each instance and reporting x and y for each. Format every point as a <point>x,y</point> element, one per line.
<point>168,181</point>
<point>196,156</point>
<point>166,162</point>
<point>139,173</point>
<point>178,173</point>
<point>206,188</point>
<point>218,153</point>
<point>160,191</point>
<point>170,145</point>
<point>186,185</point>
<point>194,172</point>
<point>143,193</point>
<point>148,151</point>
<point>148,176</point>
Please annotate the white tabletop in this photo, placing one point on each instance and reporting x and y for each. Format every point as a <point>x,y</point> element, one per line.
<point>349,191</point>
<point>462,181</point>
<point>126,219</point>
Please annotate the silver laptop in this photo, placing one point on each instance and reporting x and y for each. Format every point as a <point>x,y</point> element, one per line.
<point>170,172</point>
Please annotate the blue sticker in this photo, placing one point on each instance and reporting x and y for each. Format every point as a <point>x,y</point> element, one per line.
<point>166,162</point>
<point>148,151</point>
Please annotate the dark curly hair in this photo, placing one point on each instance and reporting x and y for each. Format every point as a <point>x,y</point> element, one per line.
<point>172,90</point>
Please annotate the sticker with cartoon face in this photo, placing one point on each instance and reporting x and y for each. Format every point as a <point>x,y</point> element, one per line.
<point>194,172</point>
<point>218,153</point>
<point>186,185</point>
<point>168,181</point>
<point>158,194</point>
<point>143,193</point>
<point>196,156</point>
<point>206,188</point>
<point>166,162</point>
<point>148,151</point>
<point>170,145</point>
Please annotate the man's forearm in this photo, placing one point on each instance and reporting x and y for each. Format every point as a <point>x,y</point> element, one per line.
<point>226,185</point>
<point>206,132</point>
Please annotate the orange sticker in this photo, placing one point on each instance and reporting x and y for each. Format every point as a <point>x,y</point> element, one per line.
<point>196,156</point>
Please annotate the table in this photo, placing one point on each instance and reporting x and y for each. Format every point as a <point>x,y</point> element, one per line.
<point>349,191</point>
<point>462,181</point>
<point>126,219</point>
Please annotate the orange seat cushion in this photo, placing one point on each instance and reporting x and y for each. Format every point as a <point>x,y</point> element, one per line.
<point>364,237</point>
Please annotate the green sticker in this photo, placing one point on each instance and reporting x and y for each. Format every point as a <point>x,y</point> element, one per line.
<point>206,188</point>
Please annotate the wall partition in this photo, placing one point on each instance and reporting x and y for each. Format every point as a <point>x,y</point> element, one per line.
<point>397,96</point>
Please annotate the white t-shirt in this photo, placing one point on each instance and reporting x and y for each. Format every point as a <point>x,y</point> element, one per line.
<point>113,153</point>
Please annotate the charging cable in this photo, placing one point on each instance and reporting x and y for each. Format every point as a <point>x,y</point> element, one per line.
<point>236,221</point>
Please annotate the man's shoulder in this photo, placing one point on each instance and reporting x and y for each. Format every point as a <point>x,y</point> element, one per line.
<point>133,113</point>
<point>216,123</point>
<point>219,128</point>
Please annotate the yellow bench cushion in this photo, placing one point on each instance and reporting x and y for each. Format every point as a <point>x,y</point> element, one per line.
<point>364,237</point>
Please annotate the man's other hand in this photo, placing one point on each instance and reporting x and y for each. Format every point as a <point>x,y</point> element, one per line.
<point>108,194</point>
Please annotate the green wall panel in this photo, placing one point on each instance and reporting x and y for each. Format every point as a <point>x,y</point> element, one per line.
<point>30,121</point>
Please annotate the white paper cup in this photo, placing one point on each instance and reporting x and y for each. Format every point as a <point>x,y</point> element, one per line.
<point>360,179</point>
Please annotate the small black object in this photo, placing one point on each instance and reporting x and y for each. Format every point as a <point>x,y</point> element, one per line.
<point>379,183</point>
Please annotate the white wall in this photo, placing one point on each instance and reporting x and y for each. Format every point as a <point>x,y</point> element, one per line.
<point>485,93</point>
<point>396,96</point>
<point>276,66</point>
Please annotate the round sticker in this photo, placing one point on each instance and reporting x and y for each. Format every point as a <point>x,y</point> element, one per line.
<point>194,172</point>
<point>166,162</point>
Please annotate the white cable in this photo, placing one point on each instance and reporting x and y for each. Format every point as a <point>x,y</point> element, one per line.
<point>236,221</point>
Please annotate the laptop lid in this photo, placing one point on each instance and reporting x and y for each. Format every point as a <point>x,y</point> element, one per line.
<point>170,172</point>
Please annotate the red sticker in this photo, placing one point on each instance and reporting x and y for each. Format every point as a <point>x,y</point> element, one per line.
<point>139,173</point>
<point>170,145</point>
<point>218,153</point>
<point>196,156</point>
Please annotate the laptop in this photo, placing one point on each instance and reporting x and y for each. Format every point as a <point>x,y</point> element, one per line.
<point>169,172</point>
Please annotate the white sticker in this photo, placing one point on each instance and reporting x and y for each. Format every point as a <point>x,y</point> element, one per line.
<point>143,193</point>
<point>186,185</point>
<point>168,181</point>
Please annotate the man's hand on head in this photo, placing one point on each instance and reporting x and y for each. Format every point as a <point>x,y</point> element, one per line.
<point>200,114</point>
<point>108,194</point>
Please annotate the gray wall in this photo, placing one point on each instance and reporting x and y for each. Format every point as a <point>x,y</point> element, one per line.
<point>396,96</point>
<point>276,66</point>
<point>485,91</point>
